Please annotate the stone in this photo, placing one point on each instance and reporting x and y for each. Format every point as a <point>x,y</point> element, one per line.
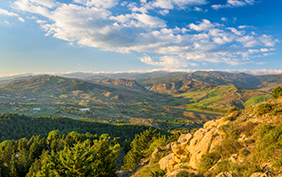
<point>168,147</point>
<point>122,173</point>
<point>200,145</point>
<point>260,174</point>
<point>185,138</point>
<point>164,162</point>
<point>155,152</point>
<point>226,174</point>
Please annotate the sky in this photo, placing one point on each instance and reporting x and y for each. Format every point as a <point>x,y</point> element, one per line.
<point>64,36</point>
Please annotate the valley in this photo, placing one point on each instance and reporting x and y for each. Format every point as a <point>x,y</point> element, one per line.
<point>168,101</point>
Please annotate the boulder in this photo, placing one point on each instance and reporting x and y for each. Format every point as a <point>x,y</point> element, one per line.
<point>226,174</point>
<point>185,138</point>
<point>122,174</point>
<point>200,145</point>
<point>164,162</point>
<point>260,174</point>
<point>155,152</point>
<point>168,147</point>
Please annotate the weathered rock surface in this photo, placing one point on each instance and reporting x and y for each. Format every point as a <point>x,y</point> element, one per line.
<point>165,161</point>
<point>191,148</point>
<point>155,152</point>
<point>122,174</point>
<point>266,174</point>
<point>226,174</point>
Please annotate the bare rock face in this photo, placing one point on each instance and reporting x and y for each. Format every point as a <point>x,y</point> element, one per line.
<point>164,162</point>
<point>260,174</point>
<point>226,174</point>
<point>189,149</point>
<point>122,174</point>
<point>155,152</point>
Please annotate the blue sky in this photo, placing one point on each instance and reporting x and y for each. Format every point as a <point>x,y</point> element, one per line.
<point>58,36</point>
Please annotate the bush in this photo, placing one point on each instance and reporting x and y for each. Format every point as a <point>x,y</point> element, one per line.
<point>209,160</point>
<point>277,92</point>
<point>264,108</point>
<point>183,174</point>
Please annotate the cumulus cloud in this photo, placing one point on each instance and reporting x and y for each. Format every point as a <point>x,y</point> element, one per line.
<point>233,3</point>
<point>5,12</point>
<point>204,25</point>
<point>93,23</point>
<point>21,19</point>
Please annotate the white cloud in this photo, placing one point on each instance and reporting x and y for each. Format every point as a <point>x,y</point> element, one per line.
<point>264,50</point>
<point>167,61</point>
<point>164,12</point>
<point>8,23</point>
<point>198,9</point>
<point>98,3</point>
<point>248,41</point>
<point>21,19</point>
<point>89,23</point>
<point>235,31</point>
<point>203,26</point>
<point>267,40</point>
<point>233,3</point>
<point>5,12</point>
<point>224,19</point>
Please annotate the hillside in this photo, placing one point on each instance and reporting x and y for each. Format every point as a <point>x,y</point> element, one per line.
<point>216,90</point>
<point>243,143</point>
<point>218,78</point>
<point>124,82</point>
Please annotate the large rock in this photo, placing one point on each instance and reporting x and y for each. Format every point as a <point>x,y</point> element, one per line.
<point>155,152</point>
<point>164,162</point>
<point>191,148</point>
<point>122,174</point>
<point>200,145</point>
<point>226,174</point>
<point>185,138</point>
<point>260,174</point>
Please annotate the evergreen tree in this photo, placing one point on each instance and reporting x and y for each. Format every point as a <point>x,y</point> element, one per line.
<point>78,160</point>
<point>13,167</point>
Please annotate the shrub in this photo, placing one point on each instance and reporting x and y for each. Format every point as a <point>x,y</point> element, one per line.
<point>209,160</point>
<point>244,152</point>
<point>248,128</point>
<point>182,174</point>
<point>264,108</point>
<point>277,92</point>
<point>228,147</point>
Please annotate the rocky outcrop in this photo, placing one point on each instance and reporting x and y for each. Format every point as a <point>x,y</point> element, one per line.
<point>129,83</point>
<point>226,174</point>
<point>260,174</point>
<point>179,85</point>
<point>189,149</point>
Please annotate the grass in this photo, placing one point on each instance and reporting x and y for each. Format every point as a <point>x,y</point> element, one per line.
<point>175,124</point>
<point>257,99</point>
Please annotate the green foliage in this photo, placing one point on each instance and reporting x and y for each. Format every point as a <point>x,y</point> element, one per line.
<point>234,113</point>
<point>158,173</point>
<point>139,147</point>
<point>31,158</point>
<point>277,92</point>
<point>183,174</point>
<point>209,160</point>
<point>264,108</point>
<point>14,126</point>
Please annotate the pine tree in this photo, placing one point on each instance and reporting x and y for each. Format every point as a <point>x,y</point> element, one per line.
<point>13,167</point>
<point>78,160</point>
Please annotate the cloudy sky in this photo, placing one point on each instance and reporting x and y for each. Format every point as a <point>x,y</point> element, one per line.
<point>48,36</point>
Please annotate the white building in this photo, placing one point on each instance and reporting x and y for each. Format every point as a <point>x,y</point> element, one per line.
<point>85,109</point>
